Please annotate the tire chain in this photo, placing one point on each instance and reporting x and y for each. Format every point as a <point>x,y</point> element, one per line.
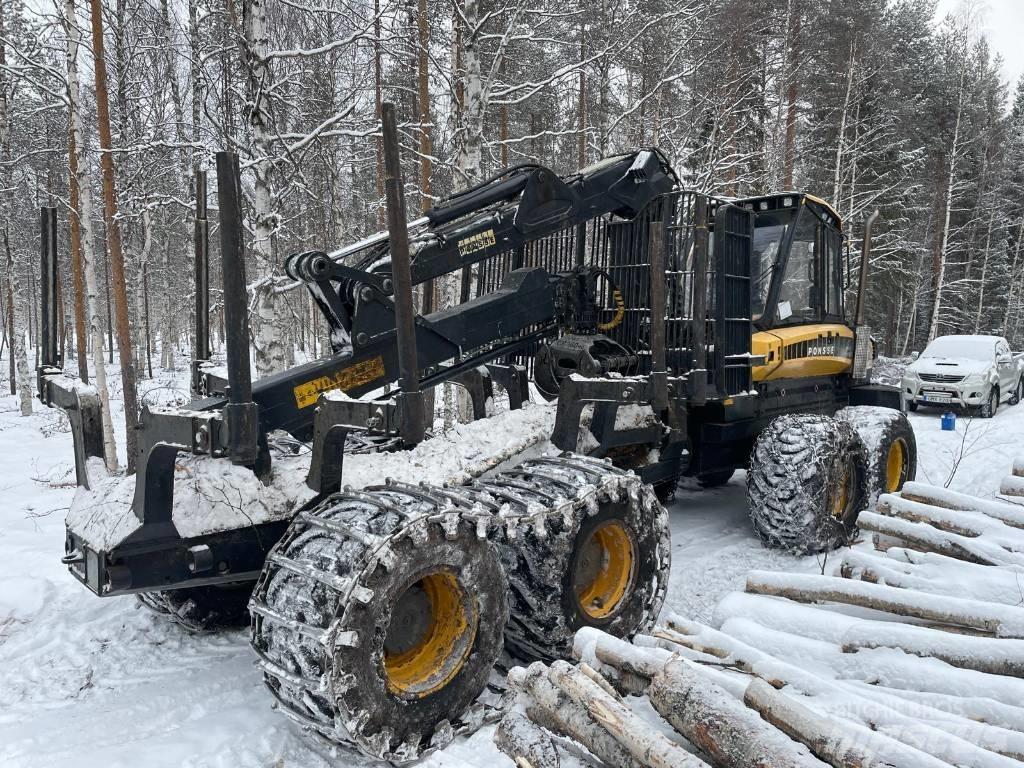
<point>500,509</point>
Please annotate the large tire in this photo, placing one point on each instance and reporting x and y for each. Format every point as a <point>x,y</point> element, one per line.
<point>599,558</point>
<point>806,483</point>
<point>201,609</point>
<point>379,616</point>
<point>890,447</point>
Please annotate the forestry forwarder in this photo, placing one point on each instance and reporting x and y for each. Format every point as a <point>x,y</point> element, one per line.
<point>377,615</point>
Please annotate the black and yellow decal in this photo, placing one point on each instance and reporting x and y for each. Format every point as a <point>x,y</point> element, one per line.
<point>803,351</point>
<point>477,242</point>
<point>347,378</point>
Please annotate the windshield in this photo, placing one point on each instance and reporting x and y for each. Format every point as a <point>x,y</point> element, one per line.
<point>969,347</point>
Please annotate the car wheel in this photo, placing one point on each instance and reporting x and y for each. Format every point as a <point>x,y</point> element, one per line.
<point>1018,392</point>
<point>912,405</point>
<point>988,410</point>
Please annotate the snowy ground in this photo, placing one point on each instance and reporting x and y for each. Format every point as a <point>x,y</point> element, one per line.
<point>88,682</point>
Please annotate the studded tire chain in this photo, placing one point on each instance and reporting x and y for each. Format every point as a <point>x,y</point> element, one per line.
<point>330,584</point>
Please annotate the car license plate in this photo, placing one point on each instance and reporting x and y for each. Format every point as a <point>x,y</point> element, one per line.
<point>937,398</point>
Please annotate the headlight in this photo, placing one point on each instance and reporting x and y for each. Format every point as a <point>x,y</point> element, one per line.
<point>975,378</point>
<point>909,376</point>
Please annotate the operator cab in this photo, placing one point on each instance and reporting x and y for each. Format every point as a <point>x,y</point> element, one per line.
<point>796,272</point>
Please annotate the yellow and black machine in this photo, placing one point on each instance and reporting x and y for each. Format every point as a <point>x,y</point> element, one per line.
<point>683,335</point>
<point>744,356</point>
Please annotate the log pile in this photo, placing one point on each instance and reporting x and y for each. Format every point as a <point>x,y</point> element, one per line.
<point>910,655</point>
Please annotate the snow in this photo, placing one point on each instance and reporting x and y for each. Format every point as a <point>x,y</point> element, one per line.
<point>89,682</point>
<point>964,347</point>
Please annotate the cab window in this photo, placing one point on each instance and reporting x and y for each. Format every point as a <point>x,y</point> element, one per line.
<point>769,239</point>
<point>833,269</point>
<point>799,298</point>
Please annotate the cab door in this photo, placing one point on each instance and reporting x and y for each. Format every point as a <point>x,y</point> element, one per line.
<point>802,330</point>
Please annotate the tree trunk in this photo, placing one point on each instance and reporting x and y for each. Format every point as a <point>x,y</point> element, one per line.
<point>792,93</point>
<point>78,275</point>
<point>124,341</point>
<point>951,180</point>
<point>270,351</point>
<point>379,139</point>
<point>18,351</point>
<point>87,241</point>
<point>423,100</point>
<point>581,108</point>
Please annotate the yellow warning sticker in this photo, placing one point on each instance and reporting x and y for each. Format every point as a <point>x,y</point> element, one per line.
<point>345,379</point>
<point>477,242</point>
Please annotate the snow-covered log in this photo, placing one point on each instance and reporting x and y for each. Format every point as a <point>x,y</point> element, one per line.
<point>1011,514</point>
<point>839,743</point>
<point>526,744</point>
<point>646,745</point>
<point>938,574</point>
<point>1012,485</point>
<point>1000,620</point>
<point>813,666</point>
<point>553,710</point>
<point>979,708</point>
<point>766,666</point>
<point>926,537</point>
<point>566,701</point>
<point>969,524</point>
<point>985,654</point>
<point>720,725</point>
<point>631,667</point>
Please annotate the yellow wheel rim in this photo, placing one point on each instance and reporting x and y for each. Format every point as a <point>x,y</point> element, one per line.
<point>430,636</point>
<point>604,570</point>
<point>896,466</point>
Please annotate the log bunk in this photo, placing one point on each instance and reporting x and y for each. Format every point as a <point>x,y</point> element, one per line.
<point>909,654</point>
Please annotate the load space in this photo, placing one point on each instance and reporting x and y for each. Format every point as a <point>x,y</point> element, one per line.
<point>683,336</point>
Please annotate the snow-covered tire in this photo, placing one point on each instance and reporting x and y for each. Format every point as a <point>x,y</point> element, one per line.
<point>798,469</point>
<point>201,609</point>
<point>379,616</point>
<point>1018,392</point>
<point>599,557</point>
<point>988,409</point>
<point>890,447</point>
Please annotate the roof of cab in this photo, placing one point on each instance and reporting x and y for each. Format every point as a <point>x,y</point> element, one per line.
<point>800,198</point>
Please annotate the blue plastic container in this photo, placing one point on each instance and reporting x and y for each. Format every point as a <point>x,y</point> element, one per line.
<point>948,421</point>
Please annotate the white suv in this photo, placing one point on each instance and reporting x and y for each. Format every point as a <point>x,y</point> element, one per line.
<point>978,372</point>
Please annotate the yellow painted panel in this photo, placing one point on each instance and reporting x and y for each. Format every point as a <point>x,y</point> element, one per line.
<point>347,378</point>
<point>824,349</point>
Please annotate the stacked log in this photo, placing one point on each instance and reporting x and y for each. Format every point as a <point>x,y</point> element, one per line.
<point>910,656</point>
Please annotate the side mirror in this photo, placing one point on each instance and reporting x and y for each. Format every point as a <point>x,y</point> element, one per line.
<point>914,355</point>
<point>1004,359</point>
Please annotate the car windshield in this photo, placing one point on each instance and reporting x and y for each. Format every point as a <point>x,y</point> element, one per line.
<point>969,347</point>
